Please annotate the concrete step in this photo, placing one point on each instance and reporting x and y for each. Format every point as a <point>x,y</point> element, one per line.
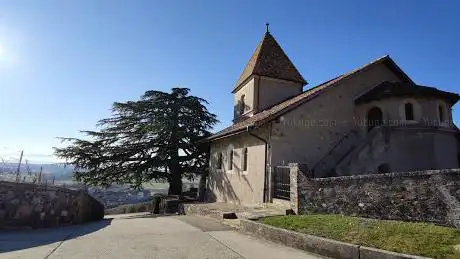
<point>227,211</point>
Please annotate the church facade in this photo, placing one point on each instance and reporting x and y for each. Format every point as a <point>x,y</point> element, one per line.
<point>374,119</point>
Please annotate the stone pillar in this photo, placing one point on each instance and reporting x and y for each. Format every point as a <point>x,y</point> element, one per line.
<point>294,173</point>
<point>298,174</point>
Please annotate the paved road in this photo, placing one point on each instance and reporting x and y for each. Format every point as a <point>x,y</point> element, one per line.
<point>138,236</point>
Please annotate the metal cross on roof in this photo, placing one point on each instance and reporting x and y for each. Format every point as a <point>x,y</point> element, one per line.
<point>267,24</point>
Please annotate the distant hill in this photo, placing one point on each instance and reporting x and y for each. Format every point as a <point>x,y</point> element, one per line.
<point>59,170</point>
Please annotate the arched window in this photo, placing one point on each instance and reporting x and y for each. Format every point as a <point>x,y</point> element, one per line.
<point>441,113</point>
<point>245,159</point>
<point>230,160</point>
<point>374,118</point>
<point>220,161</point>
<point>242,104</point>
<point>409,111</point>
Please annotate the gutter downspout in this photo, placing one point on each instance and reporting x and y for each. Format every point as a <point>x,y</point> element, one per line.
<point>265,198</point>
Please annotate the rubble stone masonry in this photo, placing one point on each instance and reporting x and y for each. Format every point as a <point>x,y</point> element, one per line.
<point>427,196</point>
<point>36,206</point>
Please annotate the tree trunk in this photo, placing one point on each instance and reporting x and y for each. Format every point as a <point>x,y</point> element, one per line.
<point>175,184</point>
<point>175,181</point>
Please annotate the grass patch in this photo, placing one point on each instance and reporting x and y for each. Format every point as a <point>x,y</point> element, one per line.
<point>405,237</point>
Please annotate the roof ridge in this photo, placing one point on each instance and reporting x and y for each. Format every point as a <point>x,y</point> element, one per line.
<point>388,89</point>
<point>260,49</point>
<point>287,105</point>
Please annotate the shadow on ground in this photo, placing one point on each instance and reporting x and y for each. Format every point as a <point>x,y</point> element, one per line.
<point>23,239</point>
<point>204,224</point>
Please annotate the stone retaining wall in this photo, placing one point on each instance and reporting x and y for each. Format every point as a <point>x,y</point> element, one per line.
<point>409,196</point>
<point>35,206</point>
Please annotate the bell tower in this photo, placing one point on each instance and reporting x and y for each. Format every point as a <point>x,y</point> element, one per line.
<point>268,78</point>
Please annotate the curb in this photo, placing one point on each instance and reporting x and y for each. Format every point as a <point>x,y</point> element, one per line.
<point>318,245</point>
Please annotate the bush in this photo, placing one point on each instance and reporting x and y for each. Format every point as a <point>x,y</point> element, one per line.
<point>132,209</point>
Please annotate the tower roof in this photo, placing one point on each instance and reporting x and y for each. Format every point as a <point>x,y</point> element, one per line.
<point>270,60</point>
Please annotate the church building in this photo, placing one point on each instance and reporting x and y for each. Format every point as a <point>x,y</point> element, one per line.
<point>373,119</point>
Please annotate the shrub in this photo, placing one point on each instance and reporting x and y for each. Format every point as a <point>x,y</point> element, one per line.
<point>132,209</point>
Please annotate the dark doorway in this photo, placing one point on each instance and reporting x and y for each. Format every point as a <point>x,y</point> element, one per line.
<point>374,118</point>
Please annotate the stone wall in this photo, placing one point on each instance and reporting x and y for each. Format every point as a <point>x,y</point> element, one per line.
<point>36,206</point>
<point>409,196</point>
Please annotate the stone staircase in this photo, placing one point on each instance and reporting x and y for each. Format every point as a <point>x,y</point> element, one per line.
<point>376,137</point>
<point>448,195</point>
<point>326,165</point>
<point>338,159</point>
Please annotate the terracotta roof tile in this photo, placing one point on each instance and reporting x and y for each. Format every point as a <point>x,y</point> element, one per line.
<point>277,110</point>
<point>391,89</point>
<point>270,60</point>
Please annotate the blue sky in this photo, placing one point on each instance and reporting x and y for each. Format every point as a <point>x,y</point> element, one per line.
<point>63,63</point>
